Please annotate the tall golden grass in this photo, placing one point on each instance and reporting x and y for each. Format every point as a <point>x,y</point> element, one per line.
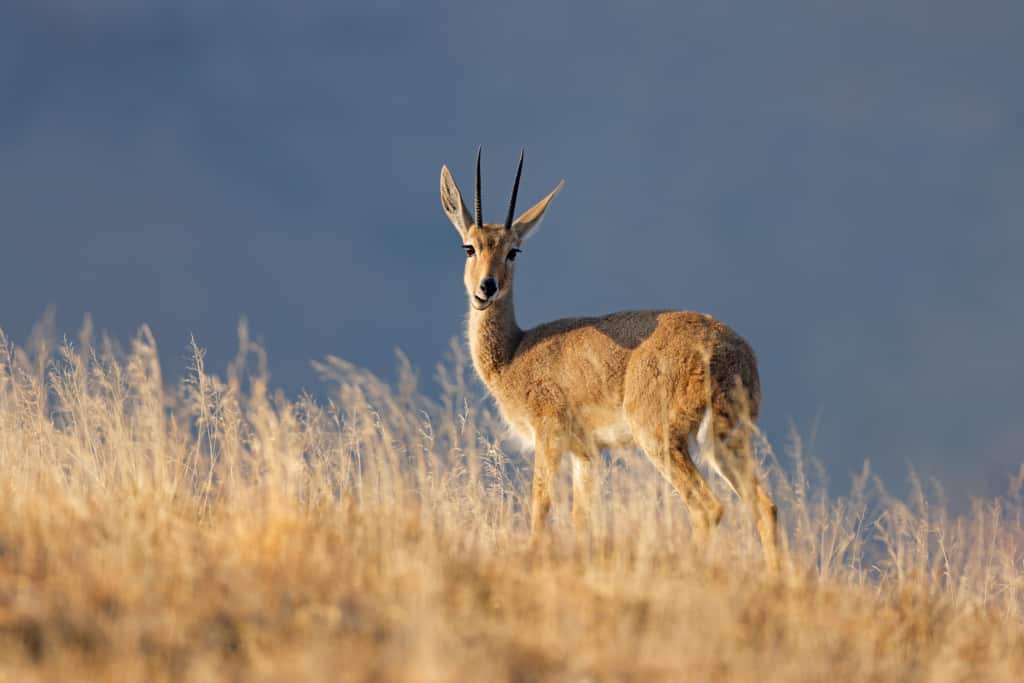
<point>216,530</point>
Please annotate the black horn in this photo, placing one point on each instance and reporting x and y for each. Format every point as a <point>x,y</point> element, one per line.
<point>476,194</point>
<point>515,192</point>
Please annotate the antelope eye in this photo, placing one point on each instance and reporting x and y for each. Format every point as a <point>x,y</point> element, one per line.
<point>512,254</point>
<point>468,248</point>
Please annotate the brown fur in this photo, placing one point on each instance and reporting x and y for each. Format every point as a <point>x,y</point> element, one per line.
<point>638,378</point>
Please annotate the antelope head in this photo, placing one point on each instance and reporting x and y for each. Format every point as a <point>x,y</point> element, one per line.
<point>491,248</point>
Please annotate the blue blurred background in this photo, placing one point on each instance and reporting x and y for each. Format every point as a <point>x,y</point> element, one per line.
<point>840,182</point>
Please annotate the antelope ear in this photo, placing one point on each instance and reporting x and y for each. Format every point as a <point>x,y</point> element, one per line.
<point>530,218</point>
<point>451,201</point>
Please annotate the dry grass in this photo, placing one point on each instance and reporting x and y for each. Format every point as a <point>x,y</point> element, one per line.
<point>218,532</point>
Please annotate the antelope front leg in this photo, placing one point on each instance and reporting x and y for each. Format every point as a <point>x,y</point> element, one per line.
<point>546,459</point>
<point>583,481</point>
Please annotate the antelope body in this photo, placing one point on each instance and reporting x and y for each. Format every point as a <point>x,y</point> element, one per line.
<point>662,381</point>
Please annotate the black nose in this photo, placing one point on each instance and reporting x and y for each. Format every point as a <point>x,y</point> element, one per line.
<point>488,286</point>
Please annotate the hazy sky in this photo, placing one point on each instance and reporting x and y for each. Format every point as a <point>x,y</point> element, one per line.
<point>843,183</point>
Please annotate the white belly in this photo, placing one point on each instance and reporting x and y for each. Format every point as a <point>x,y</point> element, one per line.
<point>603,429</point>
<point>613,433</point>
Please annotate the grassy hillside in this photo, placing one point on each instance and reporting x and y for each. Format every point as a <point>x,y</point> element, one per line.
<point>218,531</point>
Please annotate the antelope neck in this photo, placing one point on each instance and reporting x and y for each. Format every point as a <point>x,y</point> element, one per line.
<point>493,336</point>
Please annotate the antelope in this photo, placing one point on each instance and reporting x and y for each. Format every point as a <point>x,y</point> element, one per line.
<point>667,382</point>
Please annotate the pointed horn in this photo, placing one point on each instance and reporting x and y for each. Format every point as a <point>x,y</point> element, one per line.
<point>476,193</point>
<point>515,193</point>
